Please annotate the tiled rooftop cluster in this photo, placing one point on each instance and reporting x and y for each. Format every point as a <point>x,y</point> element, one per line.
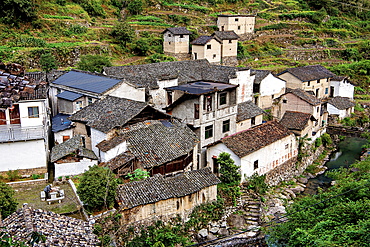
<point>295,120</point>
<point>185,71</point>
<point>155,142</point>
<point>341,103</point>
<point>109,113</point>
<point>309,98</point>
<point>14,88</point>
<point>119,160</point>
<point>248,141</point>
<point>73,145</point>
<point>59,230</point>
<point>157,188</point>
<point>247,110</point>
<point>309,73</point>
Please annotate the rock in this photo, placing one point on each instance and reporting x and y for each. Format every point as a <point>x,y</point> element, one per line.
<point>224,224</point>
<point>235,220</point>
<point>333,183</point>
<point>303,180</point>
<point>211,237</point>
<point>297,189</point>
<point>309,175</point>
<point>276,210</point>
<point>203,233</point>
<point>214,230</point>
<point>214,224</point>
<point>223,232</point>
<point>291,193</point>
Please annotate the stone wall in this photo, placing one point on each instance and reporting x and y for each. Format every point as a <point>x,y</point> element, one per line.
<point>291,168</point>
<point>28,172</point>
<point>27,183</point>
<point>229,61</point>
<point>179,56</point>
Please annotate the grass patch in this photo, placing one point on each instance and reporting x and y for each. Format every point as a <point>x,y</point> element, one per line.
<point>60,17</point>
<point>148,23</point>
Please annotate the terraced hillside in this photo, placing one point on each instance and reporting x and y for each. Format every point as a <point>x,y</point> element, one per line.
<point>288,32</point>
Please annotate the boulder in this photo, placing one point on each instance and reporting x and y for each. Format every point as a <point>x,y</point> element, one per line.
<point>235,220</point>
<point>223,232</point>
<point>211,236</point>
<point>203,233</point>
<point>224,224</point>
<point>291,193</point>
<point>214,230</point>
<point>303,180</point>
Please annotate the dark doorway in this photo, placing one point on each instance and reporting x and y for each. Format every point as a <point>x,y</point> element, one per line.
<point>2,118</point>
<point>14,115</point>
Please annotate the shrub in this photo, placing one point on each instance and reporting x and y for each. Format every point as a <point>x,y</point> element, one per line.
<point>93,63</point>
<point>318,142</point>
<point>156,58</point>
<point>135,6</point>
<point>123,32</point>
<point>48,62</point>
<point>257,183</point>
<point>8,204</point>
<point>77,29</point>
<point>15,11</point>
<point>57,17</point>
<point>326,139</point>
<point>13,175</point>
<point>229,171</point>
<point>94,189</point>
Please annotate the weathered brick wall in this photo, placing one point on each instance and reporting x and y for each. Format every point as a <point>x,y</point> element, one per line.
<point>229,61</point>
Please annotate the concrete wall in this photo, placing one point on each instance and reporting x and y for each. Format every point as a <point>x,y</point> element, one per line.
<point>291,80</point>
<point>238,24</point>
<point>342,88</point>
<point>23,155</point>
<point>214,152</point>
<point>26,121</point>
<point>341,113</point>
<point>229,49</point>
<point>159,96</point>
<point>199,50</point>
<point>96,137</point>
<point>80,129</point>
<point>170,207</point>
<point>213,55</point>
<point>110,154</point>
<point>244,92</point>
<point>128,91</point>
<point>70,169</point>
<point>175,44</point>
<point>246,124</point>
<point>65,106</point>
<point>58,136</point>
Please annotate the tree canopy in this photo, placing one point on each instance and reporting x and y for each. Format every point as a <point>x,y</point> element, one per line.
<point>93,187</point>
<point>8,204</point>
<point>123,32</point>
<point>93,63</point>
<point>229,171</point>
<point>344,220</point>
<point>14,11</point>
<point>48,62</point>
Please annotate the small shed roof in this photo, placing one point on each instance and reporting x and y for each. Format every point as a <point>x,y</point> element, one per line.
<point>309,98</point>
<point>296,120</point>
<point>202,87</point>
<point>70,96</point>
<point>157,188</point>
<point>259,75</point>
<point>247,110</point>
<point>60,122</point>
<point>178,30</point>
<point>341,103</point>
<point>309,73</point>
<point>202,40</point>
<point>226,35</point>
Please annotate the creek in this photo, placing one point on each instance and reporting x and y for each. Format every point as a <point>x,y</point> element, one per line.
<point>348,151</point>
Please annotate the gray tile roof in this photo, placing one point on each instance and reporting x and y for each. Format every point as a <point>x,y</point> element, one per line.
<point>119,161</point>
<point>295,120</point>
<point>309,73</point>
<point>60,122</point>
<point>253,139</point>
<point>226,35</point>
<point>157,188</point>
<point>341,103</point>
<point>259,75</point>
<point>71,96</point>
<point>202,40</point>
<point>87,81</point>
<point>178,30</point>
<point>59,230</point>
<point>185,71</point>
<point>247,110</point>
<point>309,98</point>
<point>111,112</point>
<point>155,142</point>
<point>73,145</point>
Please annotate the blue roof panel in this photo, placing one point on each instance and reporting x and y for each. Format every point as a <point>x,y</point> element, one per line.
<point>71,96</point>
<point>87,82</point>
<point>60,122</point>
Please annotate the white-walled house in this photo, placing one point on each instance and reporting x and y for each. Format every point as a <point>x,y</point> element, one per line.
<point>341,107</point>
<point>24,123</point>
<point>257,150</point>
<point>176,42</point>
<point>249,115</point>
<point>240,24</point>
<point>340,86</point>
<point>207,47</point>
<point>266,88</point>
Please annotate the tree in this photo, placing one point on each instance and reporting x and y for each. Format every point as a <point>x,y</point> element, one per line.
<point>229,171</point>
<point>123,32</point>
<point>94,187</point>
<point>15,11</point>
<point>135,7</point>
<point>93,63</point>
<point>8,204</point>
<point>48,62</point>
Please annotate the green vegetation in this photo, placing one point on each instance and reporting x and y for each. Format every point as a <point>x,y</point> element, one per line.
<point>93,63</point>
<point>257,183</point>
<point>326,140</point>
<point>229,171</point>
<point>342,220</point>
<point>122,32</point>
<point>8,203</point>
<point>57,17</point>
<point>48,62</point>
<point>97,188</point>
<point>138,174</point>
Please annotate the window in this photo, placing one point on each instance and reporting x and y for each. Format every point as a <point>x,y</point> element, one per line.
<point>33,112</point>
<point>78,105</point>
<point>169,35</point>
<point>318,81</point>
<point>253,121</point>
<point>208,47</point>
<point>238,27</point>
<point>285,101</point>
<point>308,84</point>
<point>326,90</point>
<point>236,19</point>
<point>286,146</point>
<point>89,101</point>
<point>181,36</point>
<point>207,103</point>
<point>255,165</point>
<point>327,79</point>
<point>226,126</point>
<point>65,138</point>
<point>223,98</point>
<point>209,131</point>
<point>230,41</point>
<point>214,56</point>
<point>318,109</point>
<point>59,91</point>
<point>195,56</point>
<point>317,93</point>
<point>169,42</point>
<point>169,98</point>
<point>196,111</point>
<point>272,96</point>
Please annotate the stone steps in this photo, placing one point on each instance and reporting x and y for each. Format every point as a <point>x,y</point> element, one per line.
<point>252,222</point>
<point>253,214</point>
<point>252,218</point>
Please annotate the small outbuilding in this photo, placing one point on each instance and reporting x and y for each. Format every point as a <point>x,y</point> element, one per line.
<point>208,47</point>
<point>176,42</point>
<point>341,107</point>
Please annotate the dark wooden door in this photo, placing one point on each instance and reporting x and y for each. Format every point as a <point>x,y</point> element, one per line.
<point>14,115</point>
<point>2,118</point>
